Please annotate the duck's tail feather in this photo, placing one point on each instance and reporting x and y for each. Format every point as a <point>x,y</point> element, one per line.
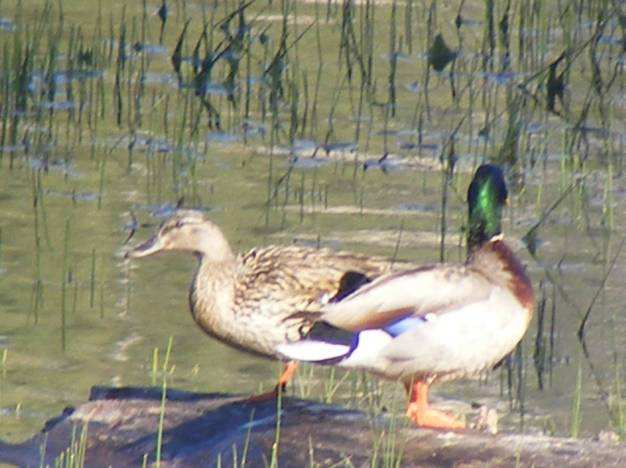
<point>324,344</point>
<point>349,282</point>
<point>318,352</point>
<point>324,331</point>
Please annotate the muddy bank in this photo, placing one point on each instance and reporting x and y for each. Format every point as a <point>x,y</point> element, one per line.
<point>199,429</point>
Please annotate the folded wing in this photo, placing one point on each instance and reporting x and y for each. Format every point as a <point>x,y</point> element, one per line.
<point>394,298</point>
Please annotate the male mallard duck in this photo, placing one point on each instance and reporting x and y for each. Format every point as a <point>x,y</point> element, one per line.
<point>247,300</point>
<point>437,322</point>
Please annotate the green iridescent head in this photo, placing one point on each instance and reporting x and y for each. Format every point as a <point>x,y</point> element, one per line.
<point>486,196</point>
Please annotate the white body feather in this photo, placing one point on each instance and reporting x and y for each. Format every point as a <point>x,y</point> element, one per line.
<point>443,346</point>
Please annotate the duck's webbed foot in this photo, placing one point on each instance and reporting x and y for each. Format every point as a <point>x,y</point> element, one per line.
<point>420,412</point>
<point>432,418</point>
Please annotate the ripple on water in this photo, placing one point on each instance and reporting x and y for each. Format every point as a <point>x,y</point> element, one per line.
<point>252,129</point>
<point>223,138</point>
<point>12,148</point>
<point>398,56</point>
<point>534,128</point>
<point>468,22</point>
<point>254,80</point>
<point>215,89</point>
<point>309,147</point>
<point>612,40</point>
<point>121,347</point>
<point>341,147</point>
<point>7,25</point>
<point>74,196</point>
<point>150,144</point>
<point>40,80</point>
<point>56,165</point>
<point>416,208</point>
<point>502,78</point>
<point>385,164</point>
<point>164,210</point>
<point>298,162</point>
<point>413,87</point>
<point>317,243</point>
<point>149,49</point>
<point>160,79</point>
<point>406,145</point>
<point>57,105</point>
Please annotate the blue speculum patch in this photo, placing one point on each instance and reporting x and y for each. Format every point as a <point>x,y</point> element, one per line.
<point>399,327</point>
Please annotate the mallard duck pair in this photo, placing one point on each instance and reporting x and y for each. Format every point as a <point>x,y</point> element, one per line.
<point>419,326</point>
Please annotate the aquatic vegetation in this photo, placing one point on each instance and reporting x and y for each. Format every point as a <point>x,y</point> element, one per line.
<point>352,124</point>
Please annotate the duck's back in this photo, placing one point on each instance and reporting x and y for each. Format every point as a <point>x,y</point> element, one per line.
<point>277,287</point>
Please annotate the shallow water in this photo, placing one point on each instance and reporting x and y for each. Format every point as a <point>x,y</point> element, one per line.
<point>74,313</point>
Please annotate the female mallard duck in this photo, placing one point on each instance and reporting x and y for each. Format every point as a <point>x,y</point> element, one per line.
<point>437,322</point>
<point>247,301</point>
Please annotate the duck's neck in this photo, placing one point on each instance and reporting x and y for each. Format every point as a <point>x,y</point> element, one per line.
<point>212,292</point>
<point>482,230</point>
<point>212,247</point>
<point>497,261</point>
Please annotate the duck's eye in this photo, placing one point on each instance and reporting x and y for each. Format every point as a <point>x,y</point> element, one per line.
<point>179,224</point>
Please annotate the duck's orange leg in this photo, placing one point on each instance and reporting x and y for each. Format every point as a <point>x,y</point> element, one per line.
<point>283,380</point>
<point>422,414</point>
<point>288,372</point>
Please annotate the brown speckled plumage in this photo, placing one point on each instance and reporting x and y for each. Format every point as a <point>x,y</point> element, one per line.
<point>248,300</point>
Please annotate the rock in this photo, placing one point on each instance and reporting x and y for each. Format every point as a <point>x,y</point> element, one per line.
<point>487,420</point>
<point>119,427</point>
